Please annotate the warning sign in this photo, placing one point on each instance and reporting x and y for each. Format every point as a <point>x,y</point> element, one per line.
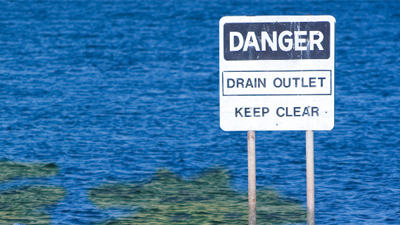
<point>277,73</point>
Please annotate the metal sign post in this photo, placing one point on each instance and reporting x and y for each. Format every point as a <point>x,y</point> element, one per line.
<point>310,177</point>
<point>277,73</point>
<point>251,154</point>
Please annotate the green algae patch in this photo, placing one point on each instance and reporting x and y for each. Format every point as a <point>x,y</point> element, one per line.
<point>10,170</point>
<point>25,205</point>
<point>209,199</point>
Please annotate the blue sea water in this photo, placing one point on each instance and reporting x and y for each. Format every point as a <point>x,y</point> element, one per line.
<point>114,90</point>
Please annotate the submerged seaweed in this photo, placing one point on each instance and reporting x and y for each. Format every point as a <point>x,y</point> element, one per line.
<point>25,204</point>
<point>168,199</point>
<point>10,170</point>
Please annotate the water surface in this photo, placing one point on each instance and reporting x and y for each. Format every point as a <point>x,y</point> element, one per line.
<point>112,91</point>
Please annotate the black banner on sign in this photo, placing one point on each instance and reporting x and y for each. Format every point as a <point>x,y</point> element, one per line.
<point>277,41</point>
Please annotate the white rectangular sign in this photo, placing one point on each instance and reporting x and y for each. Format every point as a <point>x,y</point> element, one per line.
<point>277,73</point>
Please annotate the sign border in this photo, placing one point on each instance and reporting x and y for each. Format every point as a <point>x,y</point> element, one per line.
<point>330,76</point>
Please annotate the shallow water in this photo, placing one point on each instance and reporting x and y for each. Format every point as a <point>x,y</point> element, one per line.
<point>112,91</point>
